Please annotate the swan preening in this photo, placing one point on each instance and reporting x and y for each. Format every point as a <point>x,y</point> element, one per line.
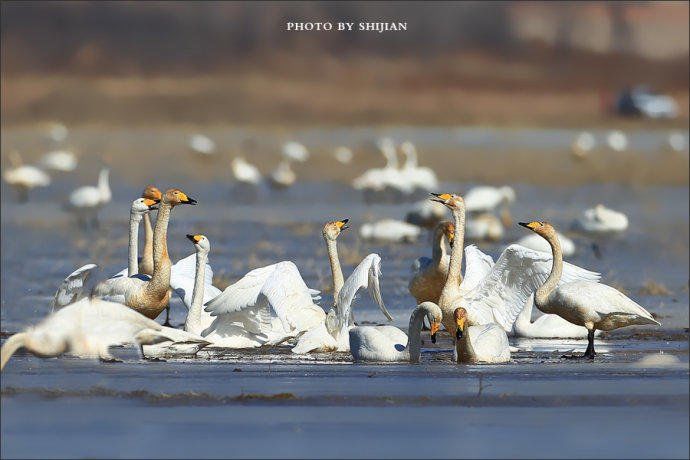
<point>583,302</point>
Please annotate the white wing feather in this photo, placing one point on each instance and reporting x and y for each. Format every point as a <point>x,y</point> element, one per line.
<point>366,275</point>
<point>72,287</point>
<point>477,266</point>
<point>182,276</point>
<point>502,294</point>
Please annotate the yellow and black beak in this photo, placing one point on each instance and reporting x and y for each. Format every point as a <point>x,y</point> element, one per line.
<point>189,200</point>
<point>194,238</point>
<point>529,225</point>
<point>342,224</point>
<point>440,197</point>
<point>434,329</point>
<point>460,329</point>
<point>152,204</point>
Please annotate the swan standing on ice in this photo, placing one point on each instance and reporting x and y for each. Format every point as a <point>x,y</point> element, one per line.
<point>86,201</point>
<point>202,144</point>
<point>429,275</point>
<point>585,303</point>
<point>24,178</point>
<point>538,243</point>
<point>331,335</point>
<point>88,328</point>
<point>677,142</point>
<point>343,155</point>
<point>245,173</point>
<point>485,343</point>
<point>390,230</point>
<point>369,343</point>
<point>59,160</point>
<point>485,199</point>
<point>422,178</point>
<point>601,219</point>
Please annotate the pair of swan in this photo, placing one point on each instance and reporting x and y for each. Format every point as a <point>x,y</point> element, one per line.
<point>24,178</point>
<point>586,303</point>
<point>202,144</point>
<point>86,201</point>
<point>390,230</point>
<point>601,219</point>
<point>89,327</point>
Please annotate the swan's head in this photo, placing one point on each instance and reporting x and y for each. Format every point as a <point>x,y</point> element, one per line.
<point>449,200</point>
<point>175,196</point>
<point>332,229</point>
<point>460,316</point>
<point>152,193</point>
<point>143,205</point>
<point>408,148</point>
<point>435,326</point>
<point>541,228</point>
<point>449,232</point>
<point>200,242</point>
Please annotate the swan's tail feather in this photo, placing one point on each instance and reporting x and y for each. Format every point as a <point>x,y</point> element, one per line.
<point>10,346</point>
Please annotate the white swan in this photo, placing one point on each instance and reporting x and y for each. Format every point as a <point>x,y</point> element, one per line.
<point>484,343</point>
<point>538,243</point>
<point>388,177</point>
<point>294,151</point>
<point>676,141</point>
<point>585,303</point>
<point>57,132</point>
<point>86,201</point>
<point>426,213</point>
<point>492,293</point>
<point>601,219</point>
<point>429,274</point>
<point>343,154</point>
<point>226,331</point>
<point>283,176</point>
<point>24,178</point>
<point>88,328</point>
<point>244,172</point>
<point>369,343</point>
<point>390,230</point>
<point>546,326</point>
<point>202,144</point>
<point>419,177</point>
<point>583,144</point>
<point>331,335</point>
<point>276,289</point>
<point>484,199</point>
<point>59,160</point>
<point>484,227</point>
<point>617,140</point>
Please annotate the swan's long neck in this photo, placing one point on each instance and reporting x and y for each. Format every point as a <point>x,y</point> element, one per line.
<point>556,270</point>
<point>133,264</point>
<point>193,322</point>
<point>414,332</point>
<point>336,270</point>
<point>524,319</point>
<point>391,158</point>
<point>10,347</point>
<point>104,185</point>
<point>452,285</point>
<point>147,254</point>
<point>160,280</point>
<point>411,159</point>
<point>438,251</point>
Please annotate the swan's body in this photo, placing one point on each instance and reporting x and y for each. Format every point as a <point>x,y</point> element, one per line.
<point>253,301</point>
<point>202,144</point>
<point>283,176</point>
<point>485,343</point>
<point>418,177</point>
<point>617,140</point>
<point>546,326</point>
<point>539,244</point>
<point>426,213</point>
<point>371,343</point>
<point>294,151</point>
<point>24,178</point>
<point>390,230</point>
<point>429,274</point>
<point>60,160</point>
<point>485,198</point>
<point>343,155</point>
<point>601,219</point>
<point>87,329</point>
<point>86,201</point>
<point>332,334</point>
<point>484,227</point>
<point>245,173</point>
<point>592,305</point>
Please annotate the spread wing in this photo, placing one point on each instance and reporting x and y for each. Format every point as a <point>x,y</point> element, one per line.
<point>477,266</point>
<point>366,275</point>
<point>517,273</point>
<point>182,276</point>
<point>72,287</point>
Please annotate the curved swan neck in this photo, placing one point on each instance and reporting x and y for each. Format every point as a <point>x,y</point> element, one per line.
<point>193,322</point>
<point>336,270</point>
<point>455,265</point>
<point>438,251</point>
<point>133,264</point>
<point>524,319</point>
<point>103,184</point>
<point>11,346</point>
<point>414,333</point>
<point>556,270</point>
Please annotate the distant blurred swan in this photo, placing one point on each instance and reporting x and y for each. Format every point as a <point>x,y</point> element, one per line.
<point>538,243</point>
<point>419,177</point>
<point>200,143</point>
<point>426,213</point>
<point>677,142</point>
<point>390,230</point>
<point>343,155</point>
<point>485,198</point>
<point>294,151</point>
<point>24,178</point>
<point>484,227</point>
<point>583,144</point>
<point>57,132</point>
<point>60,160</point>
<point>617,140</point>
<point>429,274</point>
<point>86,201</point>
<point>388,177</point>
<point>245,173</point>
<point>601,219</point>
<point>283,176</point>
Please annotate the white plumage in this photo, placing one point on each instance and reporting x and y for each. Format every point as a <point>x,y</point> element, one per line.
<point>617,140</point>
<point>485,198</point>
<point>59,160</point>
<point>294,151</point>
<point>418,177</point>
<point>484,227</point>
<point>533,241</point>
<point>426,213</point>
<point>390,230</point>
<point>343,155</point>
<point>24,178</point>
<point>283,176</point>
<point>245,172</point>
<point>202,144</point>
<point>57,132</point>
<point>88,200</point>
<point>601,219</point>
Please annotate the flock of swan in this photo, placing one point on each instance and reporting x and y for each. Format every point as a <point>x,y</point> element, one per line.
<point>272,306</point>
